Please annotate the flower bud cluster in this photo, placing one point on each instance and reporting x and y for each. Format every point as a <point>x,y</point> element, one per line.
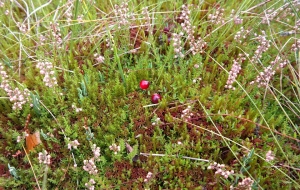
<point>55,31</point>
<point>279,62</point>
<point>114,148</point>
<point>109,44</point>
<point>235,69</point>
<point>263,46</point>
<point>148,177</point>
<point>196,45</point>
<point>80,18</point>
<point>19,98</point>
<point>197,79</point>
<point>217,16</point>
<point>270,156</point>
<point>20,138</point>
<point>122,13</point>
<point>264,77</point>
<point>99,58</point>
<point>90,184</point>
<point>220,169</point>
<point>246,184</point>
<point>68,14</point>
<point>73,144</point>
<point>296,45</point>
<point>177,45</point>
<point>236,18</point>
<point>96,151</point>
<point>44,157</point>
<point>186,113</point>
<point>241,34</point>
<point>42,40</point>
<point>16,96</point>
<point>46,69</point>
<point>269,16</point>
<point>22,27</point>
<point>89,166</point>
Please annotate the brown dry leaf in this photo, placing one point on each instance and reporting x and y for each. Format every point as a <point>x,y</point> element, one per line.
<point>32,140</point>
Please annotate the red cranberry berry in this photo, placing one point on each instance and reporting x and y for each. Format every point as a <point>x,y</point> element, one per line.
<point>155,98</point>
<point>144,84</point>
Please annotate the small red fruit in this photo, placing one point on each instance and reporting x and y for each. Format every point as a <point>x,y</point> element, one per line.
<point>155,98</point>
<point>144,84</point>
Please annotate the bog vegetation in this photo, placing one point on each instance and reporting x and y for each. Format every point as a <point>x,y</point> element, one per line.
<point>218,107</point>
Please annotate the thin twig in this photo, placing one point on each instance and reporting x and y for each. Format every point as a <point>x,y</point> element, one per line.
<point>37,182</point>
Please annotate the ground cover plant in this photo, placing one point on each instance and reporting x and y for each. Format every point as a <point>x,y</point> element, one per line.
<point>149,94</point>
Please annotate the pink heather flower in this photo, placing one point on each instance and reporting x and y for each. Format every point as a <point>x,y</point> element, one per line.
<point>47,69</point>
<point>236,18</point>
<point>217,16</point>
<point>99,58</point>
<point>264,77</point>
<point>80,18</point>
<point>233,73</point>
<point>68,13</point>
<point>20,138</point>
<point>263,46</point>
<point>15,95</point>
<point>89,166</point>
<point>269,156</point>
<point>90,184</point>
<point>73,144</point>
<point>56,34</point>
<point>245,184</point>
<point>42,39</point>
<point>149,175</point>
<point>96,151</point>
<point>44,157</point>
<point>296,45</point>
<point>197,45</point>
<point>279,63</point>
<point>220,169</point>
<point>114,148</point>
<point>22,27</point>
<point>177,45</point>
<point>122,14</point>
<point>186,113</point>
<point>241,34</point>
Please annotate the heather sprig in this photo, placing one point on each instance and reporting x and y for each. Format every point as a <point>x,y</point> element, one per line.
<point>17,96</point>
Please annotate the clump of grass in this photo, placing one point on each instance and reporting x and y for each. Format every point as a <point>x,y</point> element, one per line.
<point>227,74</point>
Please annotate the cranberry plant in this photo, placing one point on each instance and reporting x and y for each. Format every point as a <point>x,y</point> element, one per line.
<point>149,95</point>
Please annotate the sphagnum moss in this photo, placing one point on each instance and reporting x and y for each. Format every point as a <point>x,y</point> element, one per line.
<point>227,77</point>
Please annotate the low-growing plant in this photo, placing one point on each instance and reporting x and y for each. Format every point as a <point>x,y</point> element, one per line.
<point>149,95</point>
